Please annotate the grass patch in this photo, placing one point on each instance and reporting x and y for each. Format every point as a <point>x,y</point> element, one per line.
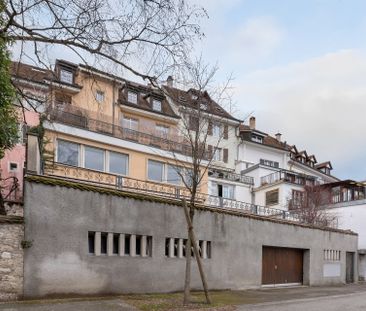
<point>221,300</point>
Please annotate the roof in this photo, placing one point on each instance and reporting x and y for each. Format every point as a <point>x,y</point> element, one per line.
<point>324,164</point>
<point>30,73</point>
<point>145,94</point>
<point>186,99</point>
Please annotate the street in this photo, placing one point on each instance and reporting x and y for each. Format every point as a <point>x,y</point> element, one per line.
<point>347,302</point>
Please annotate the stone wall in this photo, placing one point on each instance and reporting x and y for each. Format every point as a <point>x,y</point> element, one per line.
<point>11,257</point>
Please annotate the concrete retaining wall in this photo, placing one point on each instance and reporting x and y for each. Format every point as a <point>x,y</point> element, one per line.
<point>59,218</point>
<point>11,257</point>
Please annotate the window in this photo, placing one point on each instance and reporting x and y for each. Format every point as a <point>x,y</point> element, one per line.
<point>257,139</point>
<point>173,176</point>
<point>216,130</point>
<point>272,197</point>
<point>176,248</point>
<point>91,239</point>
<point>155,170</point>
<point>138,245</point>
<point>132,97</point>
<point>156,105</point>
<point>162,130</point>
<point>99,96</point>
<point>203,106</point>
<point>193,123</point>
<point>118,163</point>
<point>94,158</point>
<point>297,198</point>
<point>130,123</point>
<point>127,244</point>
<point>332,255</point>
<point>115,243</point>
<point>66,76</point>
<point>68,153</point>
<point>217,156</point>
<point>224,191</point>
<point>13,167</point>
<point>103,242</point>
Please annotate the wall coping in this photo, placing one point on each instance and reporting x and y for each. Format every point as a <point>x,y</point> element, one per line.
<point>84,186</point>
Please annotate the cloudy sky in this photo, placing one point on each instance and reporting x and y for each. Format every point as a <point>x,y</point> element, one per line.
<point>300,67</point>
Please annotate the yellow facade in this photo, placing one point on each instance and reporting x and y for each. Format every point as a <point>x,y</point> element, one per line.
<point>108,112</point>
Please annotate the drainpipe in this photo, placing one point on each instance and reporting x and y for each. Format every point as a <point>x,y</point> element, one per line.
<point>113,100</point>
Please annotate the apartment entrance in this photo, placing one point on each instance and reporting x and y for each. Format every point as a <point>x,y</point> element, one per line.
<point>282,266</point>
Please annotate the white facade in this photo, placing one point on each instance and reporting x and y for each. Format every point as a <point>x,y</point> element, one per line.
<point>352,215</point>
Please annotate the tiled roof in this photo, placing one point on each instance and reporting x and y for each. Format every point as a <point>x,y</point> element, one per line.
<point>145,94</point>
<point>31,73</point>
<point>185,99</point>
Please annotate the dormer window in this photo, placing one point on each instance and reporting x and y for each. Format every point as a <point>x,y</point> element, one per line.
<point>156,105</point>
<point>66,76</point>
<point>132,97</point>
<point>257,139</point>
<point>203,106</point>
<point>194,97</point>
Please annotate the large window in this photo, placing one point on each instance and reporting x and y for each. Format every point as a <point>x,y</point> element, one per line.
<point>224,191</point>
<point>155,170</point>
<point>68,153</point>
<point>173,176</point>
<point>94,158</point>
<point>118,163</point>
<point>130,123</point>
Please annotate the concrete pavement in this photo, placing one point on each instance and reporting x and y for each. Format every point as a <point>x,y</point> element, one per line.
<point>347,302</point>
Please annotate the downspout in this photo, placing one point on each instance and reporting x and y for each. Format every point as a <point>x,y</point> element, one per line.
<point>113,105</point>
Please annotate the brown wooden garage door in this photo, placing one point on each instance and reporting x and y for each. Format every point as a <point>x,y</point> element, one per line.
<point>282,265</point>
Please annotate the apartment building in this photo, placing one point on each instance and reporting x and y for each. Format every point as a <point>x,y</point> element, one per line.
<point>110,131</point>
<point>32,82</point>
<point>278,169</point>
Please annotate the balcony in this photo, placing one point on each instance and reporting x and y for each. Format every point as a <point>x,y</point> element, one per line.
<point>81,120</point>
<point>289,177</point>
<point>160,190</point>
<point>231,176</point>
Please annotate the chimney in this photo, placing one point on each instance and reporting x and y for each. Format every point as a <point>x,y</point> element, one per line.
<point>169,81</point>
<point>278,136</point>
<point>252,123</point>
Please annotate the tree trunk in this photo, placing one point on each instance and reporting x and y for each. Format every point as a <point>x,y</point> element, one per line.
<point>187,280</point>
<point>192,240</point>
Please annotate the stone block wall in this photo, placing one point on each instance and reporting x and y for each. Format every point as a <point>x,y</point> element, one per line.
<point>11,257</point>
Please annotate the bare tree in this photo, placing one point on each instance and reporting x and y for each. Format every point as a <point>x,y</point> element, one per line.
<point>309,207</point>
<point>199,112</point>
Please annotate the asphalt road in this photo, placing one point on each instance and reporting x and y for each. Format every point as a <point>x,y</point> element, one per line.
<point>347,302</point>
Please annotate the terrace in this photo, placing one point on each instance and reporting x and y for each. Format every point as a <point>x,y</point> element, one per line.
<point>80,119</point>
<point>157,189</point>
<point>231,176</point>
<point>289,177</point>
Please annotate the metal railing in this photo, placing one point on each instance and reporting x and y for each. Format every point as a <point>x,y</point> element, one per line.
<point>290,177</point>
<point>83,121</point>
<point>161,190</point>
<point>231,176</point>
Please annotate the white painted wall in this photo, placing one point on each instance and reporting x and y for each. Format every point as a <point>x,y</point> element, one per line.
<point>352,215</point>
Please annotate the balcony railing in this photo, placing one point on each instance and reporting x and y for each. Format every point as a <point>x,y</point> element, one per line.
<point>106,128</point>
<point>160,190</point>
<point>231,176</point>
<point>288,176</point>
